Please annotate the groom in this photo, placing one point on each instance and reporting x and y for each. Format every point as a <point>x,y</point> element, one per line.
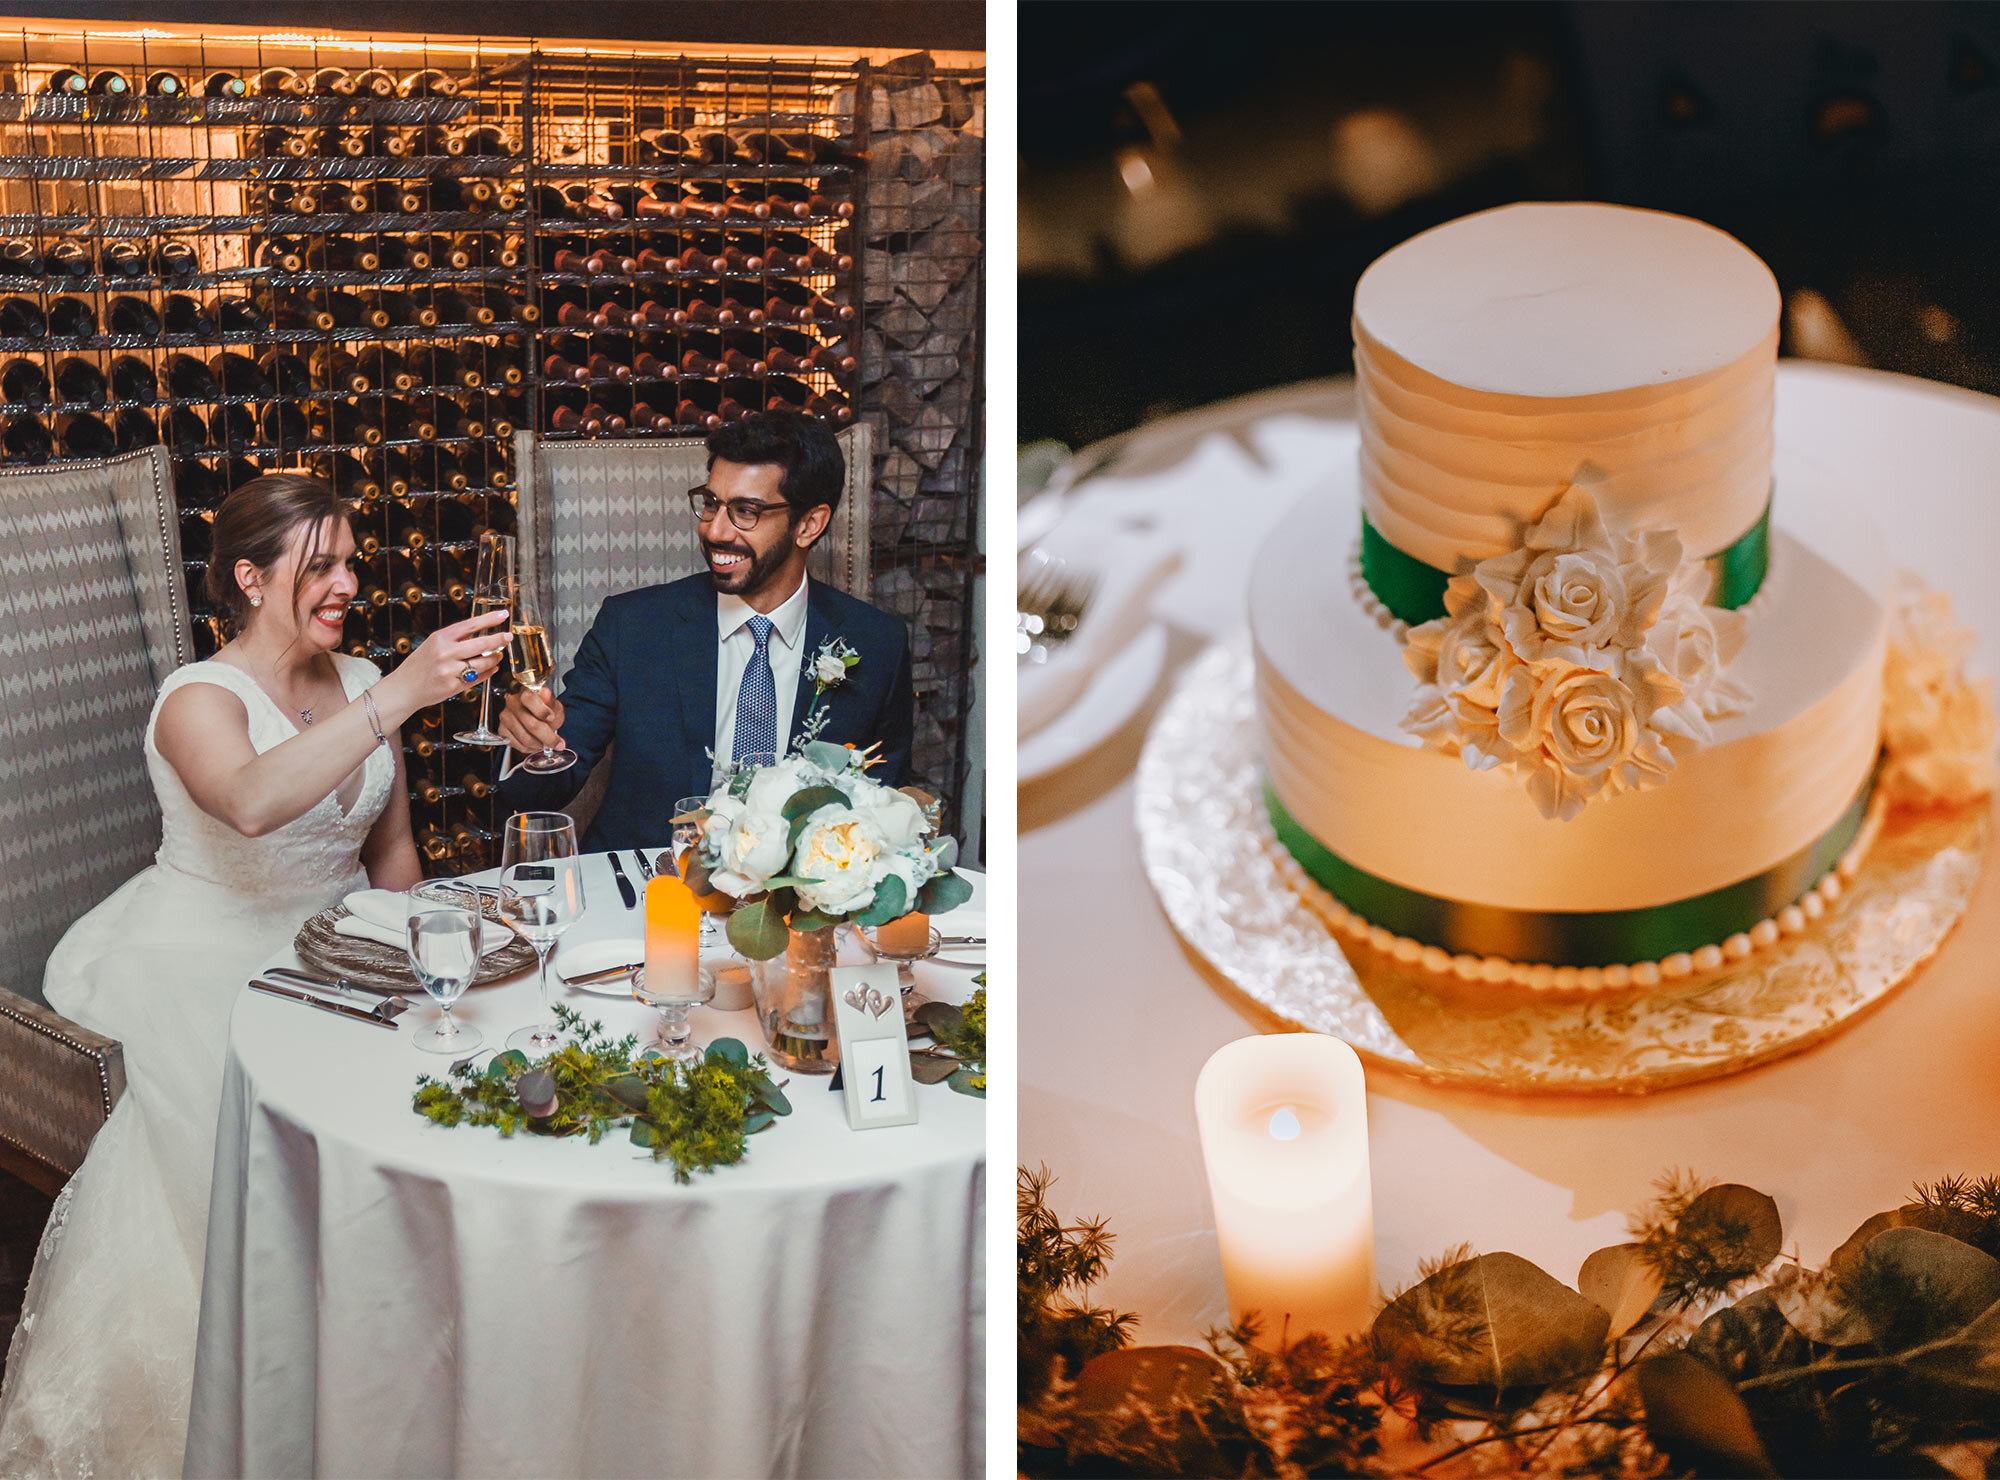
<point>723,661</point>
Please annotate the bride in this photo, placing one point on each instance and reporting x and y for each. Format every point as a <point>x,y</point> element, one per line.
<point>280,778</point>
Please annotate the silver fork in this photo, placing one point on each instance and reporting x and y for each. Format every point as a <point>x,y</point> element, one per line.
<point>1049,603</point>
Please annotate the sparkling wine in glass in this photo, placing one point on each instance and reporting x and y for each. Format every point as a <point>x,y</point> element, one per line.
<point>443,945</point>
<point>495,586</point>
<point>534,664</point>
<point>544,876</point>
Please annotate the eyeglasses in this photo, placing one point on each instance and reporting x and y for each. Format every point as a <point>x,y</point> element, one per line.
<point>744,513</point>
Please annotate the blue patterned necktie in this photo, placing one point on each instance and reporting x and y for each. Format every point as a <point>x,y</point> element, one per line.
<point>757,699</point>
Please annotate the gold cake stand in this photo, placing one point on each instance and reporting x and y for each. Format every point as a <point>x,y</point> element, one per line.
<point>1209,852</point>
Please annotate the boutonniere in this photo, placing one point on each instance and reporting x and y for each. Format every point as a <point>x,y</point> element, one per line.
<point>829,670</point>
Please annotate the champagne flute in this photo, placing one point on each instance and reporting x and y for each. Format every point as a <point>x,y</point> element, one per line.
<point>528,646</point>
<point>687,841</point>
<point>443,944</point>
<point>539,864</point>
<point>494,588</point>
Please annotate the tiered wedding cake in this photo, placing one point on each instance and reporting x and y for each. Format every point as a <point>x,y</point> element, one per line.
<point>1582,714</point>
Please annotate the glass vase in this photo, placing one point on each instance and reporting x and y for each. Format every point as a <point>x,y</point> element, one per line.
<point>794,994</point>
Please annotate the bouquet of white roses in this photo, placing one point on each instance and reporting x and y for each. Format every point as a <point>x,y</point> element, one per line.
<point>811,840</point>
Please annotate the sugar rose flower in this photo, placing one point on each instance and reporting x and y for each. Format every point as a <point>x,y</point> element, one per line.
<point>1938,727</point>
<point>1577,596</point>
<point>841,851</point>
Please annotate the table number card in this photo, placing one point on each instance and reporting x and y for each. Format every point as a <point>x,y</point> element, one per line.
<point>874,1047</point>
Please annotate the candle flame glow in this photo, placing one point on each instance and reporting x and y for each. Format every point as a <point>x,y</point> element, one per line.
<point>1284,1124</point>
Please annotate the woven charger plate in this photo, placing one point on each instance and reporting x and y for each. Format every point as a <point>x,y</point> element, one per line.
<point>1205,839</point>
<point>323,951</point>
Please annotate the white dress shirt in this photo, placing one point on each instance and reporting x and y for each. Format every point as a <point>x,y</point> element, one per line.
<point>739,645</point>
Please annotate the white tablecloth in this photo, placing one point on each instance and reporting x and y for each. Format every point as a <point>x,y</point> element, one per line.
<point>389,1297</point>
<point>1117,1018</point>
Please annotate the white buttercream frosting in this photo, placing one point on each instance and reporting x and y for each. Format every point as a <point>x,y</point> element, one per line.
<point>1501,356</point>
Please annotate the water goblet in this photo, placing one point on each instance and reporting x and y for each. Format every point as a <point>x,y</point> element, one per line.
<point>672,1000</point>
<point>539,863</point>
<point>443,946</point>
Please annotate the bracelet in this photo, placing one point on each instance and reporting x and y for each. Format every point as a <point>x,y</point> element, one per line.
<point>374,719</point>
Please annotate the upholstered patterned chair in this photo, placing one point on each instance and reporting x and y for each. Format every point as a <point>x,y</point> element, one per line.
<point>93,615</point>
<point>600,517</point>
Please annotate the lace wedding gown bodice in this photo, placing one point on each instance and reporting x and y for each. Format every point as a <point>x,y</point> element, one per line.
<point>98,1377</point>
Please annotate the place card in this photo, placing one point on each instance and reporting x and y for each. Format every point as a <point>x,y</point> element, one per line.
<point>874,1047</point>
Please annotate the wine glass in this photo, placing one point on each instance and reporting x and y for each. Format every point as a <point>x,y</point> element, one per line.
<point>443,945</point>
<point>528,646</point>
<point>734,775</point>
<point>539,863</point>
<point>494,588</point>
<point>672,997</point>
<point>687,840</point>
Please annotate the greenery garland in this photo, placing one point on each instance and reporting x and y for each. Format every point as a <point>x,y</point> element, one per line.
<point>696,1116</point>
<point>959,1035</point>
<point>1884,1362</point>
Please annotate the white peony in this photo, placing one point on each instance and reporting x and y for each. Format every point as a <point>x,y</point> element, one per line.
<point>774,785</point>
<point>749,845</point>
<point>898,817</point>
<point>1576,661</point>
<point>828,670</point>
<point>844,853</point>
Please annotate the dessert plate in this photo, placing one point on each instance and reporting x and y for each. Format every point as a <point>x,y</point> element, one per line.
<point>587,956</point>
<point>1209,854</point>
<point>1115,693</point>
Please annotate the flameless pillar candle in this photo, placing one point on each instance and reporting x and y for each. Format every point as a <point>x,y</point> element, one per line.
<point>673,938</point>
<point>908,936</point>
<point>1284,1132</point>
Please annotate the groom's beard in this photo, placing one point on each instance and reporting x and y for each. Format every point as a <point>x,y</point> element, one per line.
<point>751,575</point>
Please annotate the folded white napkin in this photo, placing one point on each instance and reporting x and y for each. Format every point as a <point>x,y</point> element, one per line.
<point>382,915</point>
<point>1129,564</point>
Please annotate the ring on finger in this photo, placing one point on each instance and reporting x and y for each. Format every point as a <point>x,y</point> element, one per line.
<point>471,675</point>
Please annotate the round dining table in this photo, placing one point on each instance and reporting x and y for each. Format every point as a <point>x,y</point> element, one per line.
<point>1118,1015</point>
<point>385,1296</point>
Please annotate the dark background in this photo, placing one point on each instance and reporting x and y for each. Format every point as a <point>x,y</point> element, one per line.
<point>936,25</point>
<point>1277,149</point>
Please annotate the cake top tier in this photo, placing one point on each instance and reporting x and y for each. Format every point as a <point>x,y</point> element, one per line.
<point>1568,300</point>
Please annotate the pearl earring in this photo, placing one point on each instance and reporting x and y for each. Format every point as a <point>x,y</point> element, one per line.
<point>256,601</point>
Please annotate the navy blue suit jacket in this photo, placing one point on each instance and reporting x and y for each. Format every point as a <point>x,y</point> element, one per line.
<point>646,676</point>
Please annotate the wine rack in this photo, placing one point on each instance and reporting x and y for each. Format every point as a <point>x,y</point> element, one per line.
<point>376,266</point>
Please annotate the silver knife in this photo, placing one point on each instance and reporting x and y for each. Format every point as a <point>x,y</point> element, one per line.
<point>961,940</point>
<point>603,975</point>
<point>323,1005</point>
<point>363,997</point>
<point>624,884</point>
<point>645,868</point>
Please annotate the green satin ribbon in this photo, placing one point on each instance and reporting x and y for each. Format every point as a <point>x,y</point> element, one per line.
<point>1579,938</point>
<point>1414,591</point>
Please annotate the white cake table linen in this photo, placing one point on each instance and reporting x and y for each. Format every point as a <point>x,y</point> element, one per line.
<point>1910,1091</point>
<point>385,1296</point>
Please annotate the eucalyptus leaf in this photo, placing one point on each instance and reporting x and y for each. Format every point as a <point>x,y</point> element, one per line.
<point>757,931</point>
<point>757,1120</point>
<point>968,1083</point>
<point>628,1090</point>
<point>796,830</point>
<point>508,1064</point>
<point>1814,1305</point>
<point>1697,1420</point>
<point>805,803</point>
<point>827,756</point>
<point>1623,1282</point>
<point>891,902</point>
<point>1972,1360</point>
<point>772,1098</point>
<point>1164,1407</point>
<point>642,1133</point>
<point>1493,1321</point>
<point>805,919</point>
<point>1750,1338</point>
<point>943,894</point>
<point>1738,1225</point>
<point>1912,1285</point>
<point>945,854</point>
<point>729,1050</point>
<point>1952,1222</point>
<point>939,1017</point>
<point>928,1068</point>
<point>536,1091</point>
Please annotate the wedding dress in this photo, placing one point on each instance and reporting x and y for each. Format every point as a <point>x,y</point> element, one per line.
<point>100,1370</point>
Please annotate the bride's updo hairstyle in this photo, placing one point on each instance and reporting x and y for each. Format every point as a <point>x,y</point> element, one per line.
<point>258,522</point>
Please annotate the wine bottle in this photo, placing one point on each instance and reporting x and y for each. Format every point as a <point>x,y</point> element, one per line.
<point>484,140</point>
<point>82,435</point>
<point>132,380</point>
<point>233,428</point>
<point>80,383</point>
<point>429,83</point>
<point>278,143</point>
<point>164,85</point>
<point>336,369</point>
<point>239,375</point>
<point>719,148</point>
<point>278,82</point>
<point>396,254</point>
<point>183,431</point>
<point>66,82</point>
<point>453,307</point>
<point>401,308</point>
<point>224,85</point>
<point>787,199</point>
<point>391,469</point>
<point>344,422</point>
<point>375,83</point>
<point>25,383</point>
<point>485,249</point>
<point>109,84</point>
<point>175,259</point>
<point>341,254</point>
<point>349,478</point>
<point>707,354</point>
<point>764,147</point>
<point>795,353</point>
<point>391,197</point>
<point>502,412</point>
<point>712,407</point>
<point>121,259</point>
<point>400,421</point>
<point>503,305</point>
<point>787,251</point>
<point>793,302</point>
<point>485,463</point>
<point>453,420</point>
<point>555,367</point>
<point>21,318</point>
<point>20,259</point>
<point>134,429</point>
<point>184,315</point>
<point>433,844</point>
<point>239,316</point>
<point>285,425</point>
<point>436,467</point>
<point>436,365</point>
<point>195,487</point>
<point>787,394</point>
<point>134,317</point>
<point>72,318</point>
<point>294,310</point>
<point>197,534</point>
<point>356,311</point>
<point>26,440</point>
<point>239,471</point>
<point>68,259</point>
<point>331,82</point>
<point>385,369</point>
<point>291,375</point>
